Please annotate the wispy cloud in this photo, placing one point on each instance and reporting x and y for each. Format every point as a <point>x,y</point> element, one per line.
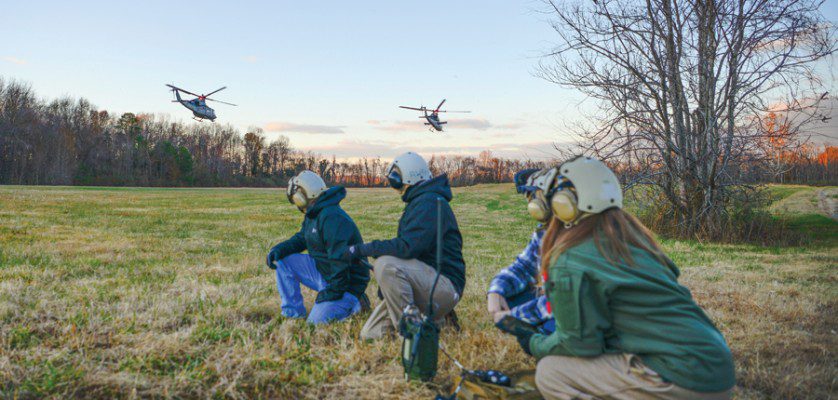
<point>398,126</point>
<point>480,124</point>
<point>387,149</point>
<point>251,59</point>
<point>511,126</point>
<point>280,126</point>
<point>15,60</point>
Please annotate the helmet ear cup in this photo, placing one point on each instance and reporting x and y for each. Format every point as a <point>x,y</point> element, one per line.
<point>537,207</point>
<point>299,199</point>
<point>563,205</point>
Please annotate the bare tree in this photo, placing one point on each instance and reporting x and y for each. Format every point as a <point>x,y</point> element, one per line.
<point>682,86</point>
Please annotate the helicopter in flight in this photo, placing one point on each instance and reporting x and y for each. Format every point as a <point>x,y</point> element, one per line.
<point>198,105</point>
<point>433,117</point>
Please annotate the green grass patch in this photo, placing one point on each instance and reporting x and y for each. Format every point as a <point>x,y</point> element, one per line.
<point>164,293</point>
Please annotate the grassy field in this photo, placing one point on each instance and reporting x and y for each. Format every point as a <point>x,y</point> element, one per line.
<point>111,292</point>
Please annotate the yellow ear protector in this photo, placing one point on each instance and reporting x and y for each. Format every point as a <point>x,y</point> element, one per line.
<point>299,199</point>
<point>297,196</point>
<point>562,204</point>
<point>537,206</point>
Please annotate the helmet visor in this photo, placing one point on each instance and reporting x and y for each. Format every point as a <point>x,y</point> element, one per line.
<point>394,177</point>
<point>292,188</point>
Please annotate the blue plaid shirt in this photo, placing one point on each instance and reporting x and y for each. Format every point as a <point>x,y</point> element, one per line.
<point>522,276</point>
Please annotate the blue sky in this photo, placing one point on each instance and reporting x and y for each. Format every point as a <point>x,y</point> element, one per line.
<point>329,75</point>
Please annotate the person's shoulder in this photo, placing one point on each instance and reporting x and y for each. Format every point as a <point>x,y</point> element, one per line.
<point>583,256</point>
<point>424,201</point>
<point>333,212</point>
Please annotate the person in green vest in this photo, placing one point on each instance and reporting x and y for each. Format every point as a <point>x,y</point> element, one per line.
<point>625,327</point>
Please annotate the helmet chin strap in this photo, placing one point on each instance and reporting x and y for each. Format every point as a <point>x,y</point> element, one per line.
<point>571,224</point>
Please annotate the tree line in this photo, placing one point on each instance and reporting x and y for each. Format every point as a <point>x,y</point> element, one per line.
<point>70,142</point>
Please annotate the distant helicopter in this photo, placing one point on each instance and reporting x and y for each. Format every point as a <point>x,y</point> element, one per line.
<point>198,105</point>
<point>433,117</point>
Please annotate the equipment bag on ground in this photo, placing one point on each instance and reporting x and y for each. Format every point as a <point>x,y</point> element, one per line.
<point>522,388</point>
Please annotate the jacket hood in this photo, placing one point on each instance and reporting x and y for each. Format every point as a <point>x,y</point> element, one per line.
<point>330,197</point>
<point>438,185</point>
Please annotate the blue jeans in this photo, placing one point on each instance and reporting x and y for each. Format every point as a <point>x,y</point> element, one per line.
<point>299,269</point>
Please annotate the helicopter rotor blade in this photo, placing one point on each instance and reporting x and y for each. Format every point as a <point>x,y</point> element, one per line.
<point>413,108</point>
<point>440,105</point>
<point>222,102</point>
<point>182,90</point>
<point>215,91</point>
<point>447,111</point>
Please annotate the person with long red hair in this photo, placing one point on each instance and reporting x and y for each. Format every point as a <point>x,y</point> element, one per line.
<point>625,327</point>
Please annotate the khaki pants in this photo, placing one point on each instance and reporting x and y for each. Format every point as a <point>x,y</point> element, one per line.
<point>403,282</point>
<point>610,376</point>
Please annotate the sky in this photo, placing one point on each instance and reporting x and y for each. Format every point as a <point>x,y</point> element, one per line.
<point>327,74</point>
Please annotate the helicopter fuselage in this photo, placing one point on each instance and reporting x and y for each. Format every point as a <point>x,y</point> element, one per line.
<point>198,106</point>
<point>433,121</point>
<point>199,109</point>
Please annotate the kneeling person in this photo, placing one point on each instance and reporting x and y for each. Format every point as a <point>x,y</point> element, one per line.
<point>406,265</point>
<point>326,232</point>
<point>625,327</point>
<point>514,290</point>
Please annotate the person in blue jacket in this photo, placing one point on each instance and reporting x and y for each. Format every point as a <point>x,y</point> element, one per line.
<point>405,266</point>
<point>326,232</point>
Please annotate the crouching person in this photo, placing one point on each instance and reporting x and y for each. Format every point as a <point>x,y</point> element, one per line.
<point>625,328</point>
<point>514,290</point>
<point>326,232</point>
<point>405,266</point>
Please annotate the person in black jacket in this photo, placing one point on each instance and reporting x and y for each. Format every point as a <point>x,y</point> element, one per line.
<point>327,231</point>
<point>405,266</point>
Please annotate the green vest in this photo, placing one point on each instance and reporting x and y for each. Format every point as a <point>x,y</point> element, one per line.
<point>641,309</point>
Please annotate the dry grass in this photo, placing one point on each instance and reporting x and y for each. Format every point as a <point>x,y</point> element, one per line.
<point>163,293</point>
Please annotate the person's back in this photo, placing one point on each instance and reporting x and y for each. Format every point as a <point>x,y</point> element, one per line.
<point>422,201</point>
<point>324,221</point>
<point>625,328</point>
<point>644,312</point>
<point>406,266</point>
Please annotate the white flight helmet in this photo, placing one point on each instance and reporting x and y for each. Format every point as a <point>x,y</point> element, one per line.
<point>304,188</point>
<point>578,188</point>
<point>408,169</point>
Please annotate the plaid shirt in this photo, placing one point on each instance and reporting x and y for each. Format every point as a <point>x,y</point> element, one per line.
<point>521,276</point>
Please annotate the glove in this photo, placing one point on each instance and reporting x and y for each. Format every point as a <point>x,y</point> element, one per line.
<point>524,341</point>
<point>351,253</point>
<point>273,256</point>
